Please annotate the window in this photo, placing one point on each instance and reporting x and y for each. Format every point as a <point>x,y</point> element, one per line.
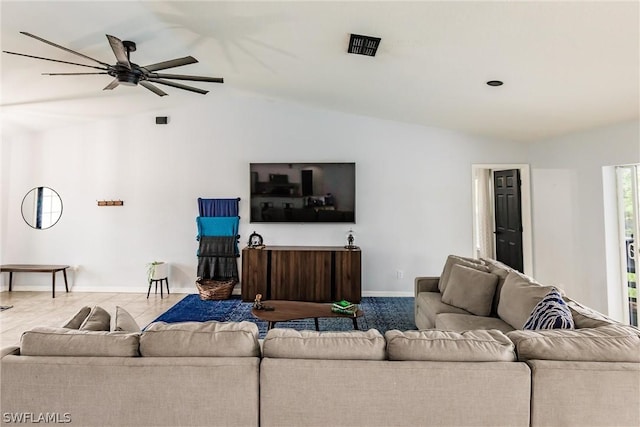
<point>627,183</point>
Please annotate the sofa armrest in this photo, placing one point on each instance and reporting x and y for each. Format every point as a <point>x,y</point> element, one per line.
<point>426,284</point>
<point>11,350</point>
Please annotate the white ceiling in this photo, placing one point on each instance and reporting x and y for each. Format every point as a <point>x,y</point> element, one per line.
<point>567,66</point>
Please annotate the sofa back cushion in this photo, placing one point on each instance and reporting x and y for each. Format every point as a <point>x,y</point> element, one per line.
<point>585,317</point>
<point>458,260</point>
<point>200,339</point>
<point>445,346</point>
<point>502,271</point>
<point>470,289</point>
<point>97,320</point>
<point>46,341</point>
<point>76,321</point>
<point>611,343</point>
<point>123,321</point>
<point>518,297</point>
<point>350,345</point>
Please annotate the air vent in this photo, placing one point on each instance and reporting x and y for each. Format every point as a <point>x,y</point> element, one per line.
<point>363,45</point>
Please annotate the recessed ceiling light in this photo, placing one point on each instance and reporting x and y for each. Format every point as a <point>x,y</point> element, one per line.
<point>495,83</point>
<point>363,45</point>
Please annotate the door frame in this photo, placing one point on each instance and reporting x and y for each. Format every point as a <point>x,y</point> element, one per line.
<point>525,193</point>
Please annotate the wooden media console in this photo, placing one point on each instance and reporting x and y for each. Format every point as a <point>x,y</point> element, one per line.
<point>302,273</point>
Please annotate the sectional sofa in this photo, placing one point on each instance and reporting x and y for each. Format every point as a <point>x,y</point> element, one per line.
<point>100,370</point>
<point>215,374</point>
<point>585,373</point>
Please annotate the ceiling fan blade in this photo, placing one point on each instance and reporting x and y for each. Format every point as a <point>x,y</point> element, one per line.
<point>69,74</point>
<point>183,77</point>
<point>171,63</point>
<point>54,60</point>
<point>112,85</point>
<point>119,51</point>
<point>178,85</point>
<point>153,89</point>
<point>63,48</point>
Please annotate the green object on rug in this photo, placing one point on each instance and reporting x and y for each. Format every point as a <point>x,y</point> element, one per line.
<point>381,313</point>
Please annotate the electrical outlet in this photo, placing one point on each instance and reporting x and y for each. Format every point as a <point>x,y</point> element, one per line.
<point>399,274</point>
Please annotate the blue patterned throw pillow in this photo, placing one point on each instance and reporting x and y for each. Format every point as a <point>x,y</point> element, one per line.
<point>550,313</point>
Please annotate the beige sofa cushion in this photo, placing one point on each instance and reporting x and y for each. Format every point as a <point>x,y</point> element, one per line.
<point>350,345</point>
<point>430,305</point>
<point>442,346</point>
<point>612,343</point>
<point>519,295</point>
<point>97,320</point>
<point>470,289</point>
<point>585,317</point>
<point>502,271</point>
<point>46,341</point>
<point>123,321</point>
<point>76,321</point>
<point>458,260</point>
<point>200,339</point>
<point>469,322</point>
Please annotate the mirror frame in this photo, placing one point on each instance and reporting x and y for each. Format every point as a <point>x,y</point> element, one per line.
<point>35,226</point>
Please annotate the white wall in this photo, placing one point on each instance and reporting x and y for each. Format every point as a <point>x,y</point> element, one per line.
<point>413,189</point>
<point>568,209</point>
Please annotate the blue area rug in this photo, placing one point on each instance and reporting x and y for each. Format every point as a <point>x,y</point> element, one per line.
<point>381,313</point>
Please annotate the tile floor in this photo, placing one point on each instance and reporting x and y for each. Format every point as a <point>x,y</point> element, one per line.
<point>39,309</point>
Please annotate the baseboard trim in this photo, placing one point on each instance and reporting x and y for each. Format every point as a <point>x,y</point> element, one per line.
<point>177,290</point>
<point>387,294</point>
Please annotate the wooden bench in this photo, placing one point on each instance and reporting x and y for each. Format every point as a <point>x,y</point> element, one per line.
<point>36,268</point>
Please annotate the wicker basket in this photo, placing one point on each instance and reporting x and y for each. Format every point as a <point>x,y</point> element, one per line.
<point>215,289</point>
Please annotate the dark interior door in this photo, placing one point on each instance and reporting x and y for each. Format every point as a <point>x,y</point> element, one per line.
<point>508,217</point>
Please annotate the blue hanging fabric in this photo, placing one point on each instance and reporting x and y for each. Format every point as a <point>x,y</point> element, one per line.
<point>218,235</point>
<point>218,207</point>
<point>217,226</point>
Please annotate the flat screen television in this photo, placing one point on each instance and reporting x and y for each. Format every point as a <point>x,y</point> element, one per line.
<point>303,192</point>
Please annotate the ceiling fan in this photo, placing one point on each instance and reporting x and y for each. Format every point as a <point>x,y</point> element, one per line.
<point>128,73</point>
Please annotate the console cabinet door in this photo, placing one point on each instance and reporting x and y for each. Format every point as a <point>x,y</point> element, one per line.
<point>301,275</point>
<point>254,274</point>
<point>348,276</point>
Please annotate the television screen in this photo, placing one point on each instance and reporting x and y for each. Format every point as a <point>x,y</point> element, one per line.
<point>303,192</point>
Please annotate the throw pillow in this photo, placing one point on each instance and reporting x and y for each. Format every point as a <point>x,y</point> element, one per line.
<point>97,320</point>
<point>76,321</point>
<point>518,296</point>
<point>470,289</point>
<point>453,260</point>
<point>123,321</point>
<point>550,313</point>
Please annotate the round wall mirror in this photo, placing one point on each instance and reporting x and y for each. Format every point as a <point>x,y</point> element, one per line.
<point>41,208</point>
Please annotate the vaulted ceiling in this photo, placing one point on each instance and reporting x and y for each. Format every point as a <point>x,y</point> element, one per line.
<point>566,66</point>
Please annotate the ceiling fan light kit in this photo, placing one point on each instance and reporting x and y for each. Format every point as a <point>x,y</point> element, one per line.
<point>127,73</point>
